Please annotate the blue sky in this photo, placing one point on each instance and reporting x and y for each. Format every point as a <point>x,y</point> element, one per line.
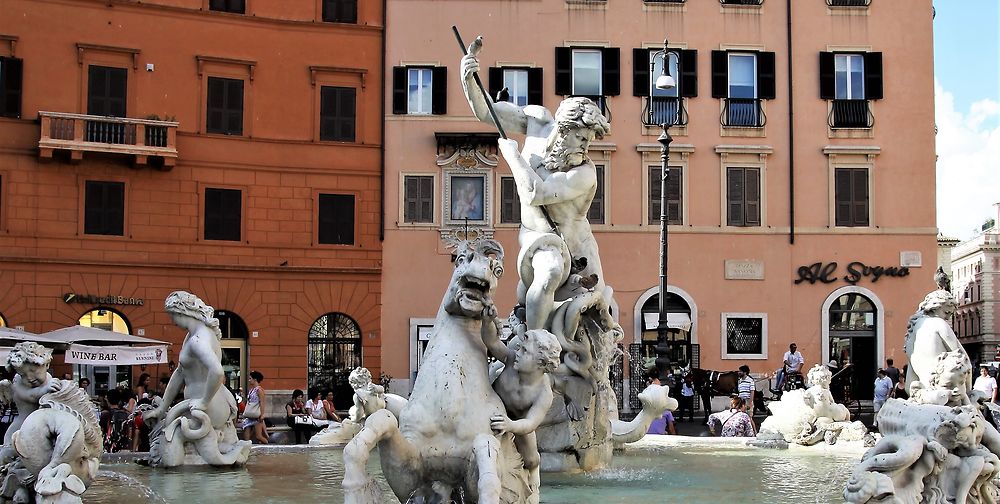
<point>967,113</point>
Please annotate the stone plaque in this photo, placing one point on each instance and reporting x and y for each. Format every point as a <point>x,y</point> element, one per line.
<point>745,269</point>
<point>911,258</point>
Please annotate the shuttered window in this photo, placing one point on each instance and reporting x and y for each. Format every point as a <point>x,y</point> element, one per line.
<point>237,6</point>
<point>340,11</point>
<point>851,195</point>
<point>855,76</point>
<point>338,111</point>
<point>596,212</point>
<point>420,90</point>
<point>418,196</point>
<point>743,196</point>
<point>225,106</point>
<point>510,202</point>
<point>675,198</point>
<point>743,75</point>
<point>104,208</point>
<point>223,214</point>
<point>520,86</point>
<point>106,91</point>
<point>590,72</point>
<point>11,82</point>
<point>683,68</point>
<point>336,219</point>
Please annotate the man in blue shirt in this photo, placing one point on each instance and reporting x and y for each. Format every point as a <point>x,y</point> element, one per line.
<point>883,386</point>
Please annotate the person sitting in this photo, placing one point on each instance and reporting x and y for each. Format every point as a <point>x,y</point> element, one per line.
<point>734,422</point>
<point>297,418</point>
<point>791,363</point>
<point>331,411</point>
<point>316,410</point>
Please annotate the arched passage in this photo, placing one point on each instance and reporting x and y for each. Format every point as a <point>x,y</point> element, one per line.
<point>334,351</point>
<point>853,330</point>
<point>234,349</point>
<point>104,378</point>
<point>679,302</point>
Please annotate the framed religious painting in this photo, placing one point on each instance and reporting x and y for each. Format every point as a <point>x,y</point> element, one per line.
<point>466,198</point>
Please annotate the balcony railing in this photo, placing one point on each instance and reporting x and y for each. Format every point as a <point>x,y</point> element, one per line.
<point>850,114</point>
<point>79,133</point>
<point>665,110</point>
<point>741,2</point>
<point>743,113</point>
<point>848,3</point>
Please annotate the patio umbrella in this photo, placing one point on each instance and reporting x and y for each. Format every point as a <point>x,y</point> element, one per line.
<point>9,336</point>
<point>90,345</point>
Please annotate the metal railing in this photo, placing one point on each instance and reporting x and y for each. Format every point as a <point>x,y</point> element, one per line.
<point>80,133</point>
<point>848,3</point>
<point>743,113</point>
<point>665,110</point>
<point>850,114</point>
<point>741,2</point>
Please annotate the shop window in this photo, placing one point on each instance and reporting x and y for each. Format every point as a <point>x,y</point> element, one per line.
<point>418,205</point>
<point>596,212</point>
<point>225,106</point>
<point>11,78</point>
<point>851,193</point>
<point>420,90</point>
<point>235,6</point>
<point>340,11</point>
<point>104,208</point>
<point>745,335</point>
<point>336,219</point>
<point>743,196</point>
<point>510,202</point>
<point>334,351</point>
<point>675,198</point>
<point>338,112</point>
<point>223,214</point>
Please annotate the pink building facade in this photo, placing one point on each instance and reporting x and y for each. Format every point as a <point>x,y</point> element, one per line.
<point>801,192</point>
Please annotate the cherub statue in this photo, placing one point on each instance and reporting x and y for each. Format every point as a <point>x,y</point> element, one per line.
<point>368,397</point>
<point>53,448</point>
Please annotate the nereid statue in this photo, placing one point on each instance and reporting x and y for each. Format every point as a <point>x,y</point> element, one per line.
<point>937,447</point>
<point>53,447</point>
<point>200,429</point>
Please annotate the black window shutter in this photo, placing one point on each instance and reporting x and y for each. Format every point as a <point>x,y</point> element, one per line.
<point>510,203</point>
<point>611,77</point>
<point>535,86</point>
<point>399,83</point>
<point>596,212</point>
<point>564,71</point>
<point>223,214</point>
<point>234,106</point>
<point>336,219</point>
<point>720,74</point>
<point>426,199</point>
<point>439,91</point>
<point>842,197</point>
<point>827,76</point>
<point>765,76</point>
<point>106,90</point>
<point>674,197</point>
<point>11,74</point>
<point>735,196</point>
<point>859,179</point>
<point>411,195</point>
<point>655,172</point>
<point>640,72</point>
<point>496,81</point>
<point>689,73</point>
<point>752,179</point>
<point>873,76</point>
<point>104,208</point>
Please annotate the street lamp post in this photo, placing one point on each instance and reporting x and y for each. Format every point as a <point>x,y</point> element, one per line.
<point>664,81</point>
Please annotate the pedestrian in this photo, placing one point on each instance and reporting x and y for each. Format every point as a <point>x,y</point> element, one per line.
<point>986,384</point>
<point>734,422</point>
<point>663,425</point>
<point>746,386</point>
<point>899,392</point>
<point>882,389</point>
<point>686,399</point>
<point>254,413</point>
<point>891,371</point>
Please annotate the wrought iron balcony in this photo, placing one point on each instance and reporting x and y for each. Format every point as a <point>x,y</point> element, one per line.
<point>79,133</point>
<point>743,113</point>
<point>848,3</point>
<point>741,2</point>
<point>850,114</point>
<point>664,110</point>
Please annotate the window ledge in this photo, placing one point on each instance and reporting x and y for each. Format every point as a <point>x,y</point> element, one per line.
<point>847,10</point>
<point>850,132</point>
<point>741,9</point>
<point>595,5</point>
<point>737,131</point>
<point>744,149</point>
<point>661,6</point>
<point>675,131</point>
<point>866,150</point>
<point>674,147</point>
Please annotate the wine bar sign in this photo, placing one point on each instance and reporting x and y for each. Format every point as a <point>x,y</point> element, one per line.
<point>855,272</point>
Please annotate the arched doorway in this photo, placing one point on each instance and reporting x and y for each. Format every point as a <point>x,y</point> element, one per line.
<point>853,326</point>
<point>104,378</point>
<point>681,317</point>
<point>3,320</point>
<point>234,349</point>
<point>334,351</point>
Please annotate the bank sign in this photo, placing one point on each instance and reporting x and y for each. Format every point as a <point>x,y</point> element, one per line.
<point>71,297</point>
<point>116,355</point>
<point>827,272</point>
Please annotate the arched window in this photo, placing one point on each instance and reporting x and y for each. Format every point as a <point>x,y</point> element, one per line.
<point>103,378</point>
<point>334,351</point>
<point>679,335</point>
<point>853,330</point>
<point>234,349</point>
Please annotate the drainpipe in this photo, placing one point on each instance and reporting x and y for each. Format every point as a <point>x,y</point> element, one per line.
<point>381,121</point>
<point>791,133</point>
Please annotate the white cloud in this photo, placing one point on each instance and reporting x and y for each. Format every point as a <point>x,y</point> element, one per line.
<point>968,165</point>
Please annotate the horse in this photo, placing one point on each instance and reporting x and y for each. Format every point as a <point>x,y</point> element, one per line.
<point>709,383</point>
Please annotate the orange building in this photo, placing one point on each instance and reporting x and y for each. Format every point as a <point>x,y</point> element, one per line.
<point>801,190</point>
<point>229,148</point>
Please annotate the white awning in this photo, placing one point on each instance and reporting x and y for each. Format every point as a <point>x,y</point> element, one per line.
<point>674,321</point>
<point>10,336</point>
<point>116,355</point>
<point>84,334</point>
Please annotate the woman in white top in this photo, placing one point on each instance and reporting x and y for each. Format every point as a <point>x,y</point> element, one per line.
<point>315,409</point>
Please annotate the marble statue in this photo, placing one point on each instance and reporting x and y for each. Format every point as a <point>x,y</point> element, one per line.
<point>200,429</point>
<point>937,447</point>
<point>808,416</point>
<point>442,446</point>
<point>561,281</point>
<point>369,397</point>
<point>53,448</point>
<point>655,401</point>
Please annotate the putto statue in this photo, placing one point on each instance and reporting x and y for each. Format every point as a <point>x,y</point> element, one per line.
<point>368,398</point>
<point>562,288</point>
<point>808,416</point>
<point>937,447</point>
<point>200,429</point>
<point>53,447</point>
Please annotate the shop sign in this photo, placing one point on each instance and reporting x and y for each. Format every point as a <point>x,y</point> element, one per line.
<point>116,355</point>
<point>71,297</point>
<point>827,272</point>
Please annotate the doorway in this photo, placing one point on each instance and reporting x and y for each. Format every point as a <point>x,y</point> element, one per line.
<point>234,350</point>
<point>853,328</point>
<point>104,378</point>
